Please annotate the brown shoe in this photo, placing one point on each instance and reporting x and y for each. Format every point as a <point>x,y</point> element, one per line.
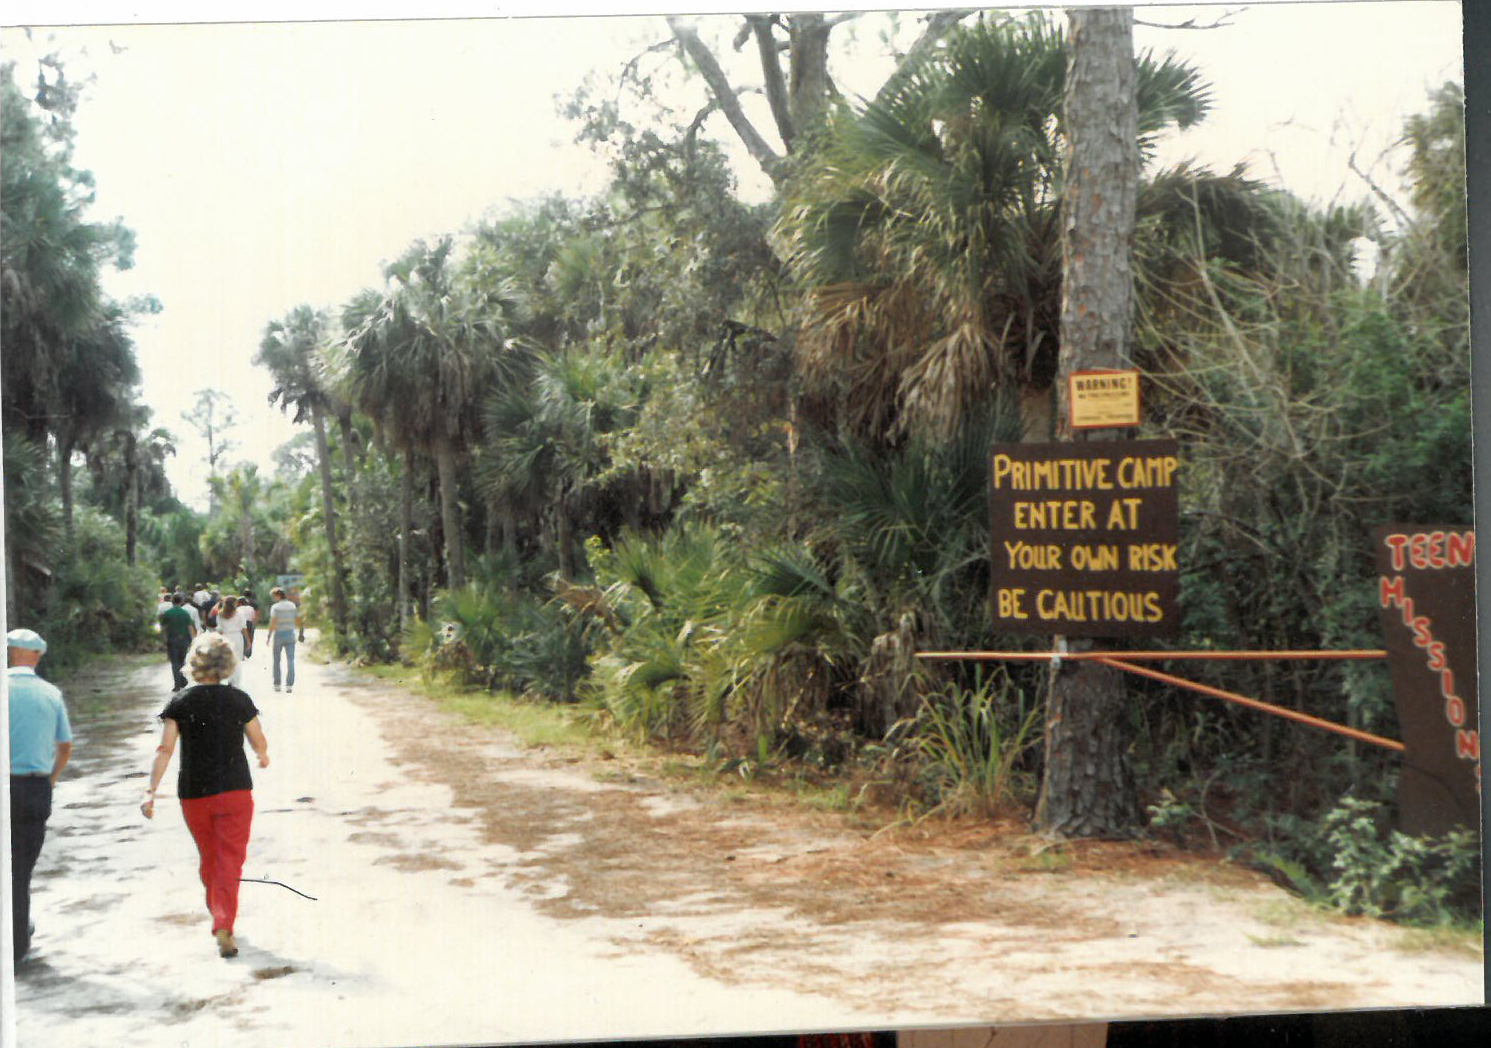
<point>226,947</point>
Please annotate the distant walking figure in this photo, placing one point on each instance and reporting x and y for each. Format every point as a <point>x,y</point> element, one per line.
<point>190,608</point>
<point>251,609</point>
<point>40,745</point>
<point>233,624</point>
<point>179,629</point>
<point>202,599</point>
<point>284,621</point>
<point>212,719</point>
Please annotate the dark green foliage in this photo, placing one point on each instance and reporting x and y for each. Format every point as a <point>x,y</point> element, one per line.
<point>1352,860</point>
<point>501,639</point>
<point>73,570</point>
<point>95,602</point>
<point>172,545</point>
<point>372,560</point>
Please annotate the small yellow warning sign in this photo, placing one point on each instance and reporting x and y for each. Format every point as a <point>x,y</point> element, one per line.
<point>1103,399</point>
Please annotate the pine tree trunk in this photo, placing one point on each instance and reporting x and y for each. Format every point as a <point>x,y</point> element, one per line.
<point>131,497</point>
<point>808,86</point>
<point>509,531</point>
<point>1088,787</point>
<point>329,515</point>
<point>406,525</point>
<point>450,514</point>
<point>344,422</point>
<point>64,484</point>
<point>493,528</point>
<point>563,537</point>
<point>246,542</point>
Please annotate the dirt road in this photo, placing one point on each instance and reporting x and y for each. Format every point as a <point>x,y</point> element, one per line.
<point>467,890</point>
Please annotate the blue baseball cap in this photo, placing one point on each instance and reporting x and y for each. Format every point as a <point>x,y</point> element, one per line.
<point>29,640</point>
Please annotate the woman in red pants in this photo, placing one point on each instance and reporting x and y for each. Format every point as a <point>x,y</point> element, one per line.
<point>211,719</point>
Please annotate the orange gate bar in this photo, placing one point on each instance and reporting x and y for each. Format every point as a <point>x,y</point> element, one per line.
<point>1121,660</point>
<point>1243,700</point>
<point>1030,656</point>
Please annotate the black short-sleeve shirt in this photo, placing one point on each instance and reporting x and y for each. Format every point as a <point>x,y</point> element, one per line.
<point>211,719</point>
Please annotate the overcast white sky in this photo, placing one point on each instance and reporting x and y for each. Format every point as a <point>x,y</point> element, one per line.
<point>265,165</point>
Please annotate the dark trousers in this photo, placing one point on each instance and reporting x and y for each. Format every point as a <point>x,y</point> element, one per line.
<point>30,805</point>
<point>176,652</point>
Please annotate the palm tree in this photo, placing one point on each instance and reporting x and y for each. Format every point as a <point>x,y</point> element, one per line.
<point>375,386</point>
<point>96,375</point>
<point>232,536</point>
<point>927,230</point>
<point>416,358</point>
<point>50,259</point>
<point>542,440</point>
<point>289,349</point>
<point>33,525</point>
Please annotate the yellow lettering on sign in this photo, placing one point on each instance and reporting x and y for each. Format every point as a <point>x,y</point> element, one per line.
<point>1041,558</point>
<point>1095,558</point>
<point>1147,471</point>
<point>1123,514</point>
<point>1008,601</point>
<point>1056,515</point>
<point>1098,606</point>
<point>1152,556</point>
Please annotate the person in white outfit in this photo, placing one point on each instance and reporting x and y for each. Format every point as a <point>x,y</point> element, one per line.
<point>191,609</point>
<point>233,624</point>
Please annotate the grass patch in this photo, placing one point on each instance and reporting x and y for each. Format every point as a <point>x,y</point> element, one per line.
<point>1044,860</point>
<point>833,798</point>
<point>1464,939</point>
<point>1288,913</point>
<point>1273,942</point>
<point>537,724</point>
<point>534,724</point>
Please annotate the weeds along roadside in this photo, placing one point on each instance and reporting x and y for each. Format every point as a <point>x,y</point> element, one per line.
<point>957,756</point>
<point>966,755</point>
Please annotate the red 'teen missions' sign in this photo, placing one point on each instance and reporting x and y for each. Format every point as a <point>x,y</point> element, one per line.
<point>1426,593</point>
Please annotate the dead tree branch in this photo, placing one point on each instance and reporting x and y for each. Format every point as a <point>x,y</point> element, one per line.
<point>725,95</point>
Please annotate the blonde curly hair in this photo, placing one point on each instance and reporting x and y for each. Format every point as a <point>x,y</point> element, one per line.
<point>211,658</point>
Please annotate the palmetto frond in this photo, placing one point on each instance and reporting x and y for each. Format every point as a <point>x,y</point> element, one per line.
<point>926,231</point>
<point>33,517</point>
<point>288,349</point>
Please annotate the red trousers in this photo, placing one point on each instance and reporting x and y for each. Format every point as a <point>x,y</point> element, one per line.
<point>220,826</point>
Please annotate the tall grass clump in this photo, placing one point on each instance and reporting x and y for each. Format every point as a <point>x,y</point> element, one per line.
<point>971,742</point>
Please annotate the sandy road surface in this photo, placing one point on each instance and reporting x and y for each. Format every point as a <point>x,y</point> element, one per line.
<point>468,890</point>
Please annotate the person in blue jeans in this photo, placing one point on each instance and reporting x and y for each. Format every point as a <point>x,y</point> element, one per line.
<point>284,621</point>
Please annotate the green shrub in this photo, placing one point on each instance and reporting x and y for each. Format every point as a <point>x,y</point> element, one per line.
<point>1353,861</point>
<point>95,603</point>
<point>501,639</point>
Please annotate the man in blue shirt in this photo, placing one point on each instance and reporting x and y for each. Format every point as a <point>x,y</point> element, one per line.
<point>40,744</point>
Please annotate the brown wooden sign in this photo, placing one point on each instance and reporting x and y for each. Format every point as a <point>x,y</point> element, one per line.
<point>1426,594</point>
<point>1084,537</point>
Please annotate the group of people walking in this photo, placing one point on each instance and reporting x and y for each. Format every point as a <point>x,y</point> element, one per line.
<point>211,718</point>
<point>235,618</point>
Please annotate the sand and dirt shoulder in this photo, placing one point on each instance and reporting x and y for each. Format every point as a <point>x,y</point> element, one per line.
<point>969,922</point>
<point>469,889</point>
